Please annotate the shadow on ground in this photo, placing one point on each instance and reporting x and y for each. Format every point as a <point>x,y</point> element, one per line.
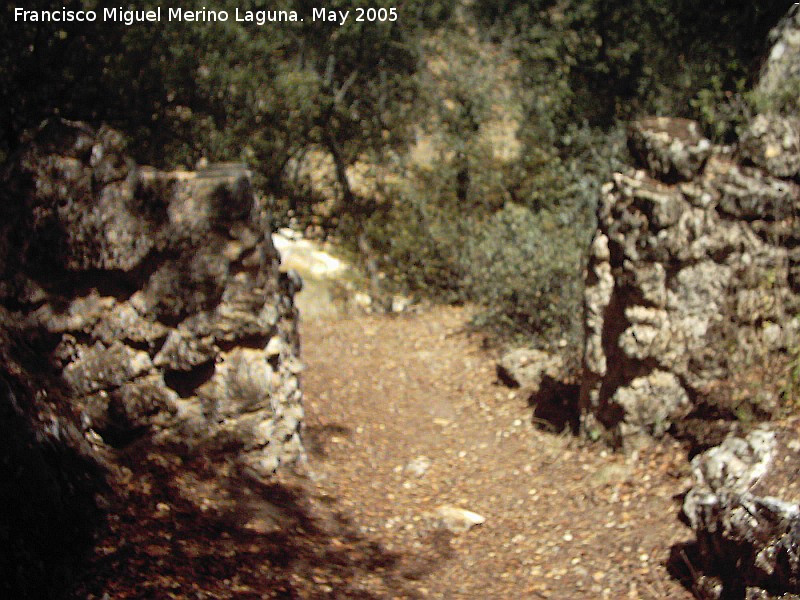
<point>555,405</point>
<point>202,528</point>
<point>317,438</point>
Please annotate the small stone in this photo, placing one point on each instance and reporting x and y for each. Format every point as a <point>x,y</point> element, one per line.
<point>400,304</point>
<point>458,520</point>
<point>419,466</point>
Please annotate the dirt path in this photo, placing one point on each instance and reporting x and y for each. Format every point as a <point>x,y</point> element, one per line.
<point>404,415</point>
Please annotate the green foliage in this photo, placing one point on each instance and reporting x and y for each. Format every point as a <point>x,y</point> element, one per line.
<point>419,240</point>
<point>610,60</point>
<point>520,101</point>
<point>521,263</point>
<point>721,113</point>
<point>49,68</point>
<point>525,267</point>
<point>226,91</point>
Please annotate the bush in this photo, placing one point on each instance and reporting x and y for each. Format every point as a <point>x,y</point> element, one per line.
<point>525,268</point>
<point>518,255</point>
<point>417,242</point>
<point>520,265</point>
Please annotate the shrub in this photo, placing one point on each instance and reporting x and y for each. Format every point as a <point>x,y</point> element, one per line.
<point>417,243</point>
<point>525,268</point>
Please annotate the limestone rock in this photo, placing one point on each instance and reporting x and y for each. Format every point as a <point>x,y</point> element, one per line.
<point>157,297</point>
<point>783,63</point>
<point>183,351</point>
<point>330,284</point>
<point>458,520</point>
<point>641,412</point>
<point>85,212</point>
<point>689,284</point>
<point>525,367</point>
<point>773,143</point>
<point>140,404</point>
<point>669,148</point>
<point>97,367</point>
<point>744,507</point>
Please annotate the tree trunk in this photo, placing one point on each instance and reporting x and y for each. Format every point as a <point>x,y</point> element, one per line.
<point>341,172</point>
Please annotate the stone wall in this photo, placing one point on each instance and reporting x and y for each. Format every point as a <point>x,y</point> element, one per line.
<point>692,283</point>
<point>139,306</point>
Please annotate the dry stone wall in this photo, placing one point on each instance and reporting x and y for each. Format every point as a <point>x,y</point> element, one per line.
<point>781,66</point>
<point>138,309</point>
<point>692,282</point>
<point>155,298</point>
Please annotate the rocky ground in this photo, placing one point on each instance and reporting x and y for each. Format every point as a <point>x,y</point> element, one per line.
<point>404,417</point>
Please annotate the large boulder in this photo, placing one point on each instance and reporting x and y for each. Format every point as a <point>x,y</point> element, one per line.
<point>136,307</point>
<point>691,284</point>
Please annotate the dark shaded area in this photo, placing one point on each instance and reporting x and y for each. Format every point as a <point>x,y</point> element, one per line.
<point>48,490</point>
<point>555,405</point>
<point>64,226</point>
<point>437,548</point>
<point>610,414</point>
<point>744,516</point>
<point>317,437</point>
<point>185,383</point>
<point>703,430</point>
<point>681,564</point>
<point>690,564</point>
<point>686,564</point>
<point>200,528</point>
<point>255,341</point>
<point>635,58</point>
<point>506,378</point>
